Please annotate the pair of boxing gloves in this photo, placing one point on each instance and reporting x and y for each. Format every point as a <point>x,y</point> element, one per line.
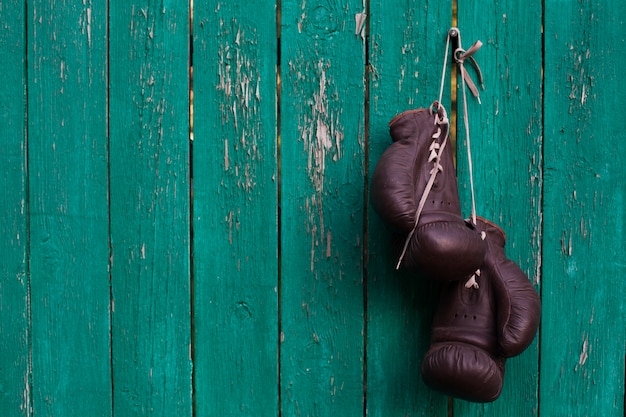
<point>488,310</point>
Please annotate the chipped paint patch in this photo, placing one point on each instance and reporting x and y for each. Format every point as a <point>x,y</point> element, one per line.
<point>321,133</point>
<point>26,404</point>
<point>360,19</point>
<point>322,136</point>
<point>239,84</point>
<point>584,352</point>
<point>85,22</point>
<point>581,81</point>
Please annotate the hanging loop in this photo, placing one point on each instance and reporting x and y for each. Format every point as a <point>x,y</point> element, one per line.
<point>462,55</point>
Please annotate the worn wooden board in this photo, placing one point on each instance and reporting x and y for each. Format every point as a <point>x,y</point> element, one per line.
<point>149,207</point>
<point>406,53</point>
<point>68,209</point>
<point>235,184</point>
<point>14,323</point>
<point>506,146</point>
<point>582,354</point>
<point>296,308</point>
<point>322,168</point>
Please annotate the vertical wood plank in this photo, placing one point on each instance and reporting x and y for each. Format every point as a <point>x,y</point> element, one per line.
<point>14,325</point>
<point>322,156</point>
<point>150,232</point>
<point>582,354</point>
<point>235,208</point>
<point>407,45</point>
<point>69,250</point>
<point>506,145</point>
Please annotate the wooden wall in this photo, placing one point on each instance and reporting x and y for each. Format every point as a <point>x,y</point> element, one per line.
<point>243,273</point>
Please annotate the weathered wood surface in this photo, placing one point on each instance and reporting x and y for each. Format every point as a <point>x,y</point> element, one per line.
<point>68,210</point>
<point>584,211</point>
<point>322,137</point>
<point>14,319</point>
<point>235,209</point>
<point>149,208</point>
<point>266,287</point>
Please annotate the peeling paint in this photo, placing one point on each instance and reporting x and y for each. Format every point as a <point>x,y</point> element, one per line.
<point>26,405</point>
<point>302,16</point>
<point>313,231</point>
<point>580,82</point>
<point>360,19</point>
<point>229,220</point>
<point>322,137</point>
<point>226,154</point>
<point>566,243</point>
<point>89,26</point>
<point>328,245</point>
<point>584,352</point>
<point>239,84</point>
<point>320,133</point>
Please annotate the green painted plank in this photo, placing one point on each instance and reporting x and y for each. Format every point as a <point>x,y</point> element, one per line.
<point>150,227</point>
<point>407,46</point>
<point>582,339</point>
<point>69,246</point>
<point>235,209</point>
<point>506,145</point>
<point>322,169</point>
<point>14,326</point>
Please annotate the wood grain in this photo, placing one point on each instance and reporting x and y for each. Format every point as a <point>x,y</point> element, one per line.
<point>150,226</point>
<point>14,316</point>
<point>582,353</point>
<point>322,168</point>
<point>235,209</point>
<point>68,209</point>
<point>258,282</point>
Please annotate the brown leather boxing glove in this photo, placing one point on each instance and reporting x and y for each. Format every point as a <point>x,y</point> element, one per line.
<point>479,323</point>
<point>414,191</point>
<point>463,359</point>
<point>518,305</point>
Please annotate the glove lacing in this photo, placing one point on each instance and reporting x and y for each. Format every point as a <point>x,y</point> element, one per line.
<point>441,120</point>
<point>436,149</point>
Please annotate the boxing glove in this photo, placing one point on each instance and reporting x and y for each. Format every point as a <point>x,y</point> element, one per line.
<point>518,306</point>
<point>463,359</point>
<point>414,191</point>
<point>481,322</point>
